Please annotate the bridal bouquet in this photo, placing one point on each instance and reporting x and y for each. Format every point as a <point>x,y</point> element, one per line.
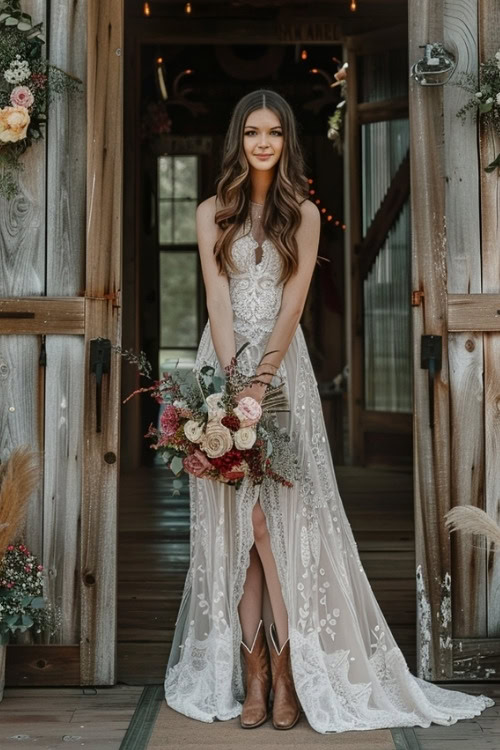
<point>208,432</point>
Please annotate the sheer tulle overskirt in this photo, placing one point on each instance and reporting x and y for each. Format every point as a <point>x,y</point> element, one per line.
<point>347,668</point>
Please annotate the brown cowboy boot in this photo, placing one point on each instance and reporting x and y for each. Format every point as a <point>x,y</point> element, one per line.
<point>286,709</point>
<point>258,680</point>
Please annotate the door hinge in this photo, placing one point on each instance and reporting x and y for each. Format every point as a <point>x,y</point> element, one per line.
<point>113,296</point>
<point>416,297</point>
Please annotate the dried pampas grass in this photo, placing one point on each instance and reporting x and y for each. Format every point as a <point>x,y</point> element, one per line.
<point>473,520</point>
<point>19,476</point>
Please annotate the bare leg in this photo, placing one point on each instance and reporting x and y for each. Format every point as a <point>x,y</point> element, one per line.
<point>250,606</point>
<point>263,544</point>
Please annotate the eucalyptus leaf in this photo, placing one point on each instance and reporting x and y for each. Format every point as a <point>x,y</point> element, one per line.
<point>23,26</point>
<point>11,21</point>
<point>176,465</point>
<point>178,484</point>
<point>38,602</point>
<point>28,621</point>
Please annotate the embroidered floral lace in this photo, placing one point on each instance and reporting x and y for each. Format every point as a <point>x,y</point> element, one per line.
<point>348,670</point>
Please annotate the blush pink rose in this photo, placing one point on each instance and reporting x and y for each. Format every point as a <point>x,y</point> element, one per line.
<point>21,96</point>
<point>197,463</point>
<point>249,411</point>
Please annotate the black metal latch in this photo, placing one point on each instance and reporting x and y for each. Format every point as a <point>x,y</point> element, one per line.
<point>100,363</point>
<point>430,359</point>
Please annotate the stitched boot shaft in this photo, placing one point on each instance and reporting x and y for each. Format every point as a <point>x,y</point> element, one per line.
<point>258,681</point>
<point>286,709</point>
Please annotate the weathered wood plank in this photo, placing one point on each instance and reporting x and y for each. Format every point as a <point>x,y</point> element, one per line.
<point>66,151</point>
<point>42,315</point>
<point>465,351</point>
<point>63,478</point>
<point>431,448</point>
<point>40,664</point>
<point>474,312</point>
<point>21,415</point>
<point>476,658</point>
<point>489,23</point>
<point>103,277</point>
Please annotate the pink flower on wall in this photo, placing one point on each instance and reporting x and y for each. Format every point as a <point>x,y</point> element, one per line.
<point>21,96</point>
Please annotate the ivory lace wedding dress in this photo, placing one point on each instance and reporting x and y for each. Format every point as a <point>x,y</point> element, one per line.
<point>347,668</point>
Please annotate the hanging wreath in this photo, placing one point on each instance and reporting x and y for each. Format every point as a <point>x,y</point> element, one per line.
<point>485,99</point>
<point>28,84</point>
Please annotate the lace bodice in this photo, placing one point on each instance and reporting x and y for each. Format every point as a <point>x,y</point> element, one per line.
<point>253,287</point>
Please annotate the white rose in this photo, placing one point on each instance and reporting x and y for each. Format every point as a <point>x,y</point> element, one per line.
<point>214,406</point>
<point>244,438</point>
<point>217,439</point>
<point>193,431</point>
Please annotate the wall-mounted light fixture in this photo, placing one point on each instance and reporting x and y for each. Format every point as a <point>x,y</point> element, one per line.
<point>436,67</point>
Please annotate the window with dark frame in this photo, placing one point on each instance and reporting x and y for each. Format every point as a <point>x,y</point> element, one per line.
<point>178,262</point>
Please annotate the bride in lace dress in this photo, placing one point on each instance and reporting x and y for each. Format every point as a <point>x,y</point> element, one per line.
<point>276,605</point>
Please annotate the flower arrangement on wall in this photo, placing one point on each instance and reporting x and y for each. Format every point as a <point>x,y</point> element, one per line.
<point>485,100</point>
<point>28,84</point>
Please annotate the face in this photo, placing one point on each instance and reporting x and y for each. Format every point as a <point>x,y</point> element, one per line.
<point>262,139</point>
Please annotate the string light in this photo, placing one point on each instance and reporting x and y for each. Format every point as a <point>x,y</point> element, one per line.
<point>188,8</point>
<point>323,210</point>
<point>353,5</point>
<point>147,9</point>
<point>303,54</point>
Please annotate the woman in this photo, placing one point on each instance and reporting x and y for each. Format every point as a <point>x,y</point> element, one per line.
<point>283,558</point>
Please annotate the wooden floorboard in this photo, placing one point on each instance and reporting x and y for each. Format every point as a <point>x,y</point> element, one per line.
<point>480,733</point>
<point>153,557</point>
<point>58,718</point>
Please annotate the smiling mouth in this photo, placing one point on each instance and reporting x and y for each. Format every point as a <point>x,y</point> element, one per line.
<point>263,156</point>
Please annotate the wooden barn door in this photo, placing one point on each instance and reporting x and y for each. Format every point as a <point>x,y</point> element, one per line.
<point>456,298</point>
<point>60,287</point>
<point>378,244</point>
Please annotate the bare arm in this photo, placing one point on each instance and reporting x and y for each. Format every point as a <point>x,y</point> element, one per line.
<point>219,306</point>
<point>293,300</point>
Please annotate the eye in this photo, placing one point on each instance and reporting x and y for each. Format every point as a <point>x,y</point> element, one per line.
<point>276,132</point>
<point>250,132</point>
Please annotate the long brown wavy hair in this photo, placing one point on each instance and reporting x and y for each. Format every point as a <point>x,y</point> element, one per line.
<point>289,188</point>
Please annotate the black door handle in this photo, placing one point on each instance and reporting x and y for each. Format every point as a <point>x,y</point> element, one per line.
<point>431,348</point>
<point>100,363</point>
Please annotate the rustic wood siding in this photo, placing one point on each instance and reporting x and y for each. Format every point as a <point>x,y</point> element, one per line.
<point>60,260</point>
<point>455,209</point>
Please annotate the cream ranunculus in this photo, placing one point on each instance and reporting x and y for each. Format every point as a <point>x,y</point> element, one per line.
<point>193,431</point>
<point>244,438</point>
<point>14,123</point>
<point>214,404</point>
<point>217,439</point>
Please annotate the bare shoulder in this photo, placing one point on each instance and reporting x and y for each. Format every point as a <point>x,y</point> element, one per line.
<point>205,211</point>
<point>310,214</point>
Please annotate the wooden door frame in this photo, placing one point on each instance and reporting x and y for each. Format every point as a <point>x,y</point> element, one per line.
<point>359,419</point>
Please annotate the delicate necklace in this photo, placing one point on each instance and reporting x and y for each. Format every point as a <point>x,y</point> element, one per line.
<point>259,215</point>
